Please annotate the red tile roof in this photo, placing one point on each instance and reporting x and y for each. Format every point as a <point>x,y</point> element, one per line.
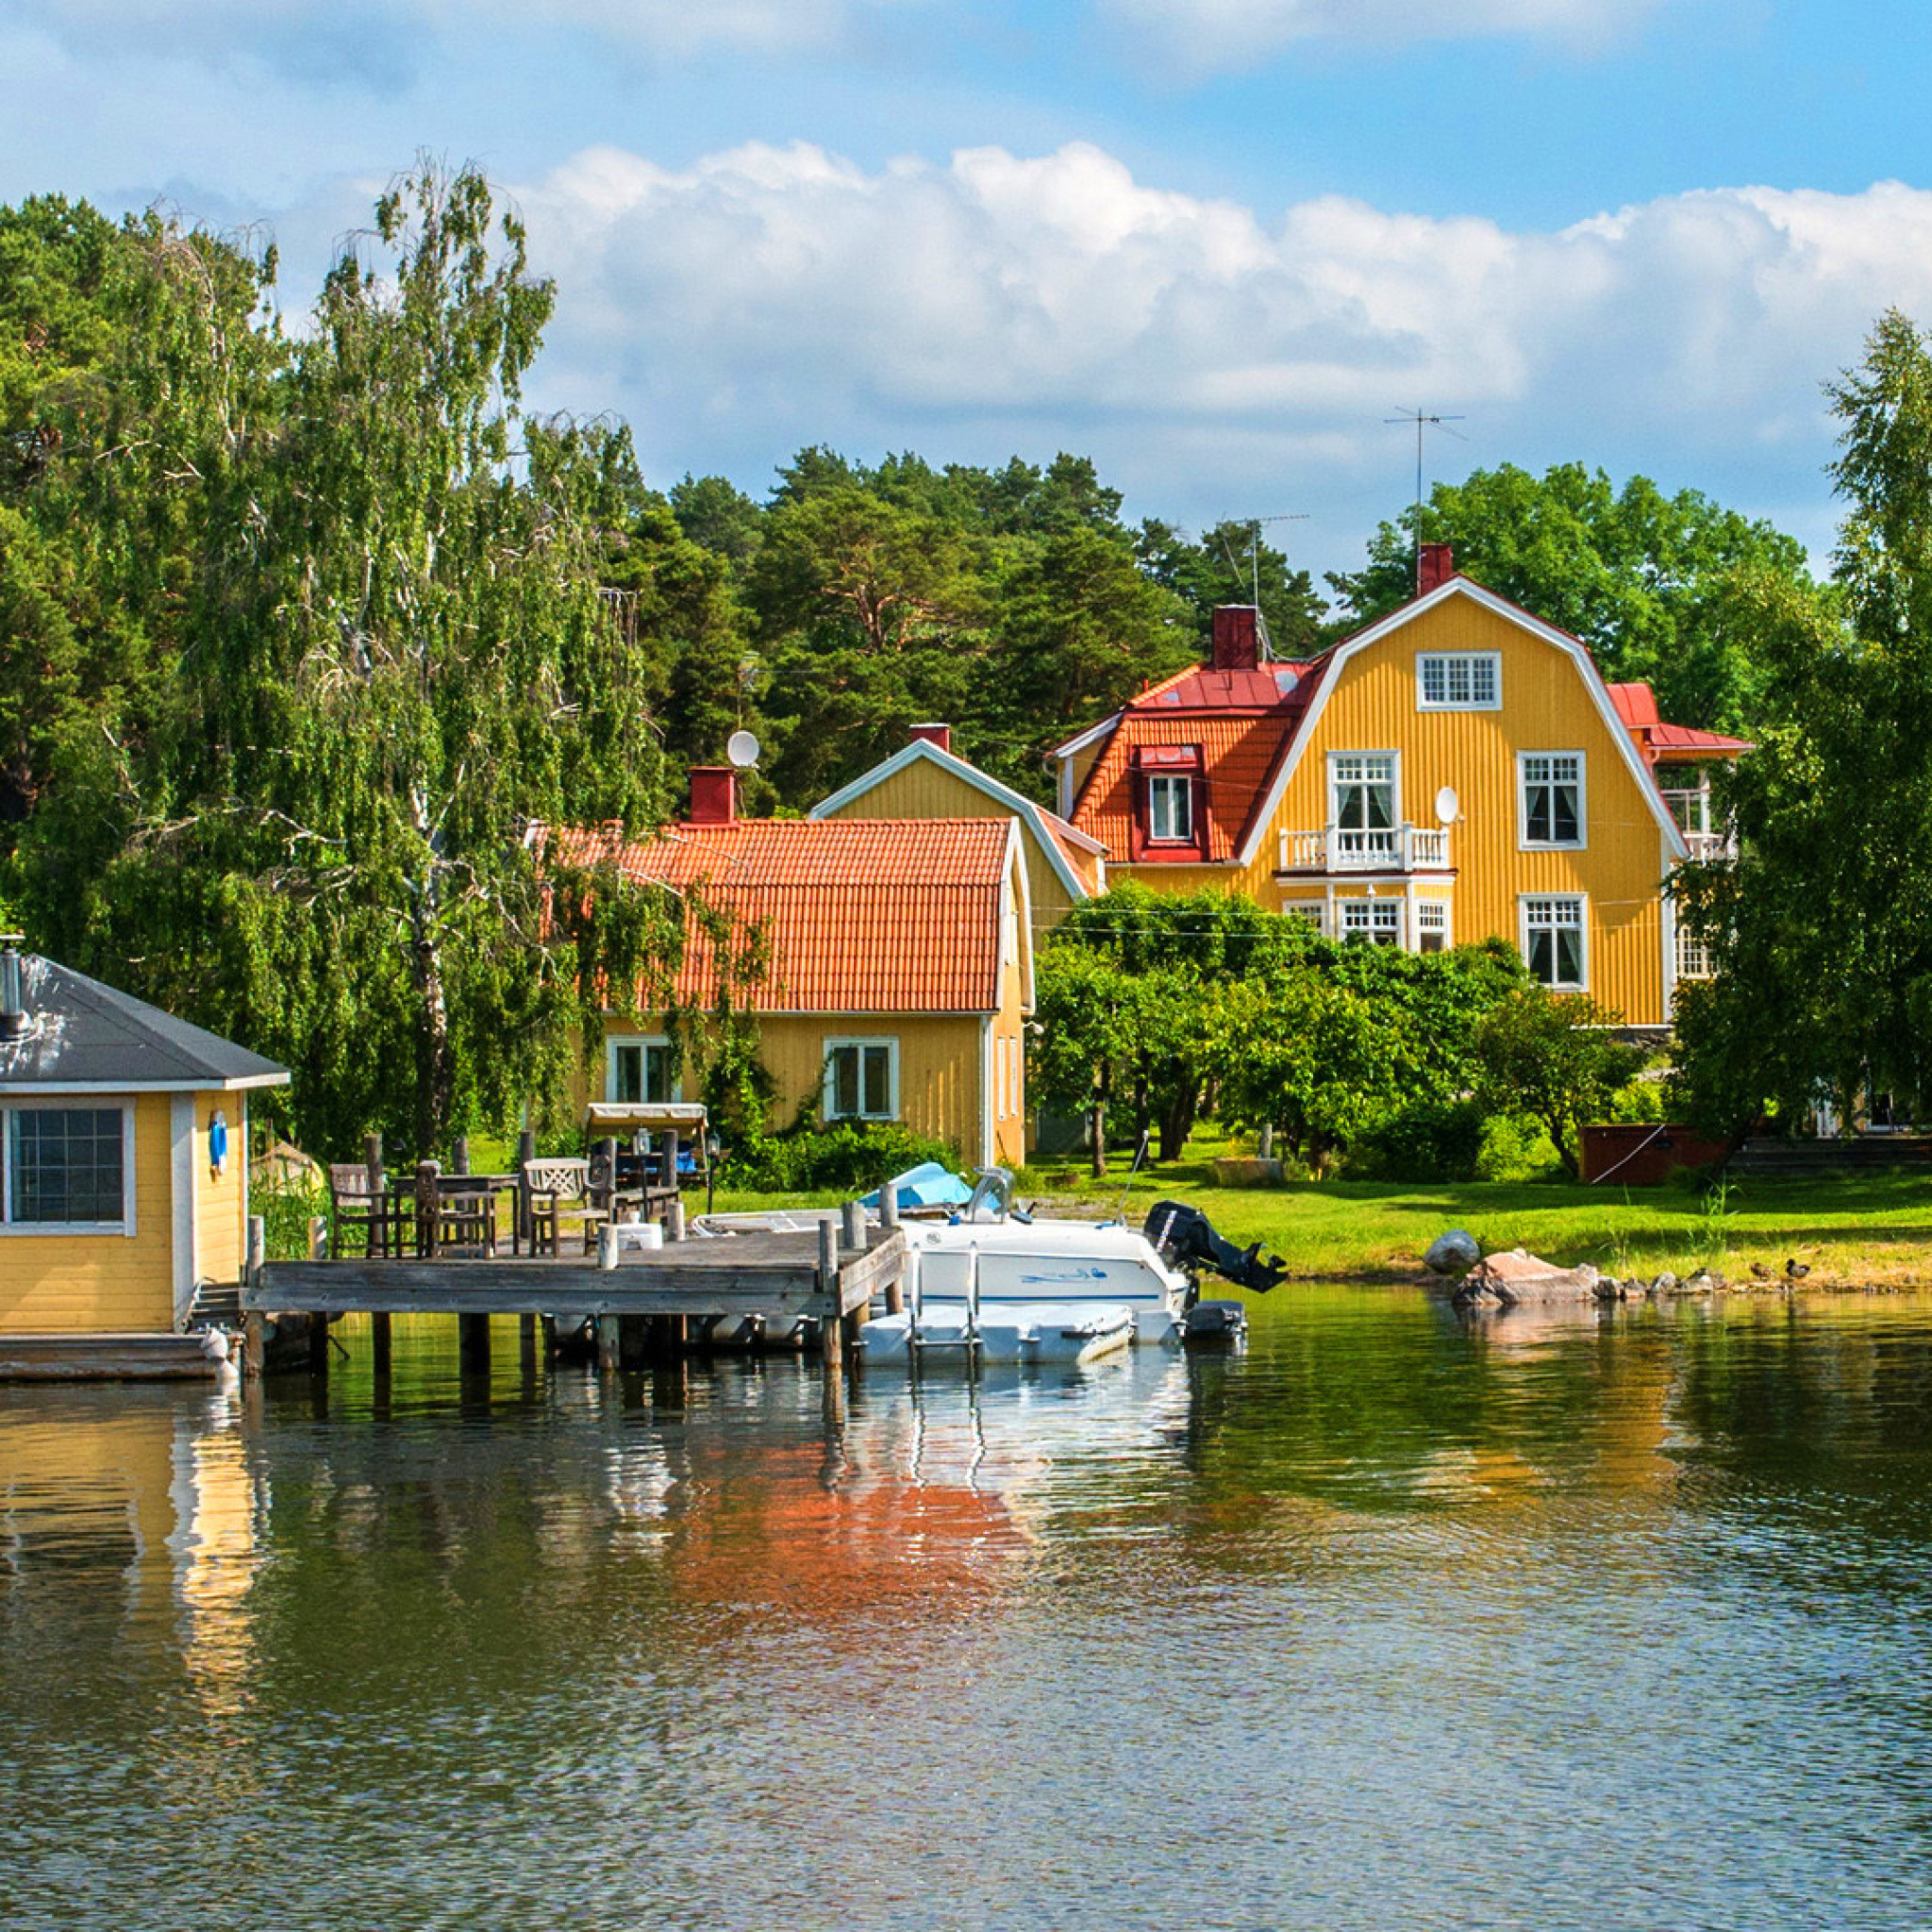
<point>859,915</point>
<point>1244,722</point>
<point>1662,744</point>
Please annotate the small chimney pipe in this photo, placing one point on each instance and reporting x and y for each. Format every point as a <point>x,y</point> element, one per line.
<point>941,735</point>
<point>1236,637</point>
<point>16,1022</point>
<point>713,795</point>
<point>1434,564</point>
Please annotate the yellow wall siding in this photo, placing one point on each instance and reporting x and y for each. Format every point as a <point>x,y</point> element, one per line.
<point>924,791</point>
<point>221,1205</point>
<point>101,1283</point>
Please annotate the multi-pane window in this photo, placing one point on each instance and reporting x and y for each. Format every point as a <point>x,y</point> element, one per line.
<point>1458,680</point>
<point>1302,909</point>
<point>1553,942</point>
<point>1171,808</point>
<point>642,1069</point>
<point>861,1079</point>
<point>1431,926</point>
<point>1552,797</point>
<point>1378,921</point>
<point>66,1165</point>
<point>1364,791</point>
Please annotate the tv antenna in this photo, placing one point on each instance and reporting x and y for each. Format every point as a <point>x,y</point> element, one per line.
<point>1252,527</point>
<point>1422,419</point>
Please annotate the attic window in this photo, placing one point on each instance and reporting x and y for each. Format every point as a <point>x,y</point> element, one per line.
<point>1458,680</point>
<point>1167,794</point>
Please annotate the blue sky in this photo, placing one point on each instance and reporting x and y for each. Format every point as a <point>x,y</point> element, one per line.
<point>1211,242</point>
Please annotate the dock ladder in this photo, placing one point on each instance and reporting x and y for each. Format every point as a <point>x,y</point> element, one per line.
<point>964,1337</point>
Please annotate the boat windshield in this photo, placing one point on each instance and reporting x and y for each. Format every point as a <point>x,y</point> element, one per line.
<point>992,1196</point>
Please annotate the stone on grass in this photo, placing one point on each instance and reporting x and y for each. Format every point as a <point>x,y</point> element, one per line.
<point>1452,1255</point>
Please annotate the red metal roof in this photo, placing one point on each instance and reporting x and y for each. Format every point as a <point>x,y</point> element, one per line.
<point>859,915</point>
<point>1662,744</point>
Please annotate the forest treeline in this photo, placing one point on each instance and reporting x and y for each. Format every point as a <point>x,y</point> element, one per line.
<point>306,621</point>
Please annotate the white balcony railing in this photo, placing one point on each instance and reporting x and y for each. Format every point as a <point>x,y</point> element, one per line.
<point>1344,849</point>
<point>1709,847</point>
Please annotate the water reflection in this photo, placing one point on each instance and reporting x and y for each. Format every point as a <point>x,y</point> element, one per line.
<point>1396,1618</point>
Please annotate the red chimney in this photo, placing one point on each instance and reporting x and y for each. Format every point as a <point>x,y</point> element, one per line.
<point>713,795</point>
<point>1434,564</point>
<point>941,735</point>
<point>1236,637</point>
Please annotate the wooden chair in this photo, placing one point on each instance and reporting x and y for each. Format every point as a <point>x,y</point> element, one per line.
<point>358,1210</point>
<point>561,1192</point>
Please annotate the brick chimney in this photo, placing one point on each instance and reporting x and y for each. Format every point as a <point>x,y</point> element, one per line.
<point>1236,637</point>
<point>713,795</point>
<point>941,735</point>
<point>1435,565</point>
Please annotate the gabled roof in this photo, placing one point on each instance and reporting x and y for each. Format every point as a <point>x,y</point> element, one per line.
<point>86,1038</point>
<point>1662,744</point>
<point>859,915</point>
<point>1068,849</point>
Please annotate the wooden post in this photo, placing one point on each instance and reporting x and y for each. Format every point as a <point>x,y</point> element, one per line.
<point>379,1219</point>
<point>379,1342</point>
<point>832,1322</point>
<point>318,1237</point>
<point>428,1185</point>
<point>472,1343</point>
<point>459,1154</point>
<point>526,1152</point>
<point>851,1224</point>
<point>674,1221</point>
<point>677,1328</point>
<point>889,1221</point>
<point>606,1156</point>
<point>527,1343</point>
<point>318,1342</point>
<point>608,1345</point>
<point>253,1329</point>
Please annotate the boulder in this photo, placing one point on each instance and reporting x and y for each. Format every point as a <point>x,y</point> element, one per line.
<point>1515,1277</point>
<point>1452,1255</point>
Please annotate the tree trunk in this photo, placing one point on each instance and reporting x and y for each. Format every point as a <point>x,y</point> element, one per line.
<point>434,1081</point>
<point>1096,1164</point>
<point>1176,1124</point>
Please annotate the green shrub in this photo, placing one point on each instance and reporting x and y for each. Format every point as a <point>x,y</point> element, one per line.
<point>1429,1141</point>
<point>1516,1148</point>
<point>847,1157</point>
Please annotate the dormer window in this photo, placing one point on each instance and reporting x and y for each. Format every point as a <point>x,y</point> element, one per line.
<point>1170,808</point>
<point>1170,802</point>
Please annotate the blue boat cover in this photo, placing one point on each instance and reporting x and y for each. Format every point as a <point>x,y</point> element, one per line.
<point>928,1185</point>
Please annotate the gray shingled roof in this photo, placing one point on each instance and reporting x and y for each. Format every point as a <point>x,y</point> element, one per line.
<point>87,1035</point>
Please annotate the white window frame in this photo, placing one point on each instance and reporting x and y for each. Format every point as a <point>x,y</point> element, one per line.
<point>1432,915</point>
<point>861,1043</point>
<point>1170,786</point>
<point>1524,780</point>
<point>1381,922</point>
<point>1310,910</point>
<point>1448,661</point>
<point>645,1043</point>
<point>51,1103</point>
<point>1527,909</point>
<point>1338,760</point>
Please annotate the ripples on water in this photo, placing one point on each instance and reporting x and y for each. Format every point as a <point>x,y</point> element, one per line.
<point>1387,1623</point>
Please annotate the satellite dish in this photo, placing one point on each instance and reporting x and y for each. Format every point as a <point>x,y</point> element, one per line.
<point>741,748</point>
<point>1447,806</point>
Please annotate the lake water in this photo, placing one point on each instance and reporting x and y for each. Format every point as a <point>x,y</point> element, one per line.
<point>1388,1622</point>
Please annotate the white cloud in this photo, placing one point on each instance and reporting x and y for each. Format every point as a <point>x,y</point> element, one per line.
<point>769,297</point>
<point>1198,37</point>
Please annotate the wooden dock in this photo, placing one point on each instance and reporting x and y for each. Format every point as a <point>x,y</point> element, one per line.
<point>830,1274</point>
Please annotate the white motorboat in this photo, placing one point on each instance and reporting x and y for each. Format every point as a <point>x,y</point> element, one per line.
<point>994,1282</point>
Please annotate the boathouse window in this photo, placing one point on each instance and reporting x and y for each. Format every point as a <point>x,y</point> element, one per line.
<point>861,1079</point>
<point>1171,808</point>
<point>1458,680</point>
<point>1553,943</point>
<point>67,1166</point>
<point>1552,788</point>
<point>1378,921</point>
<point>640,1068</point>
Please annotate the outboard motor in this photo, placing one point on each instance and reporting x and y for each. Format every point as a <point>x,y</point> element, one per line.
<point>1187,1237</point>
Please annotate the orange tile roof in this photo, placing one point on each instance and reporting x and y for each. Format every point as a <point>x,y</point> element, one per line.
<point>859,915</point>
<point>1244,722</point>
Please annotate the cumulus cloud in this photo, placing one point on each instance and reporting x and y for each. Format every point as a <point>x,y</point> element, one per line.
<point>383,44</point>
<point>1205,36</point>
<point>771,296</point>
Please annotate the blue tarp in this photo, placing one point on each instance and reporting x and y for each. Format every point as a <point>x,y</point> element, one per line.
<point>929,1185</point>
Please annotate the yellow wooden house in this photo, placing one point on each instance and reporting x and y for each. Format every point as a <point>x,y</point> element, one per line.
<point>1458,771</point>
<point>898,973</point>
<point>926,779</point>
<point>123,1156</point>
